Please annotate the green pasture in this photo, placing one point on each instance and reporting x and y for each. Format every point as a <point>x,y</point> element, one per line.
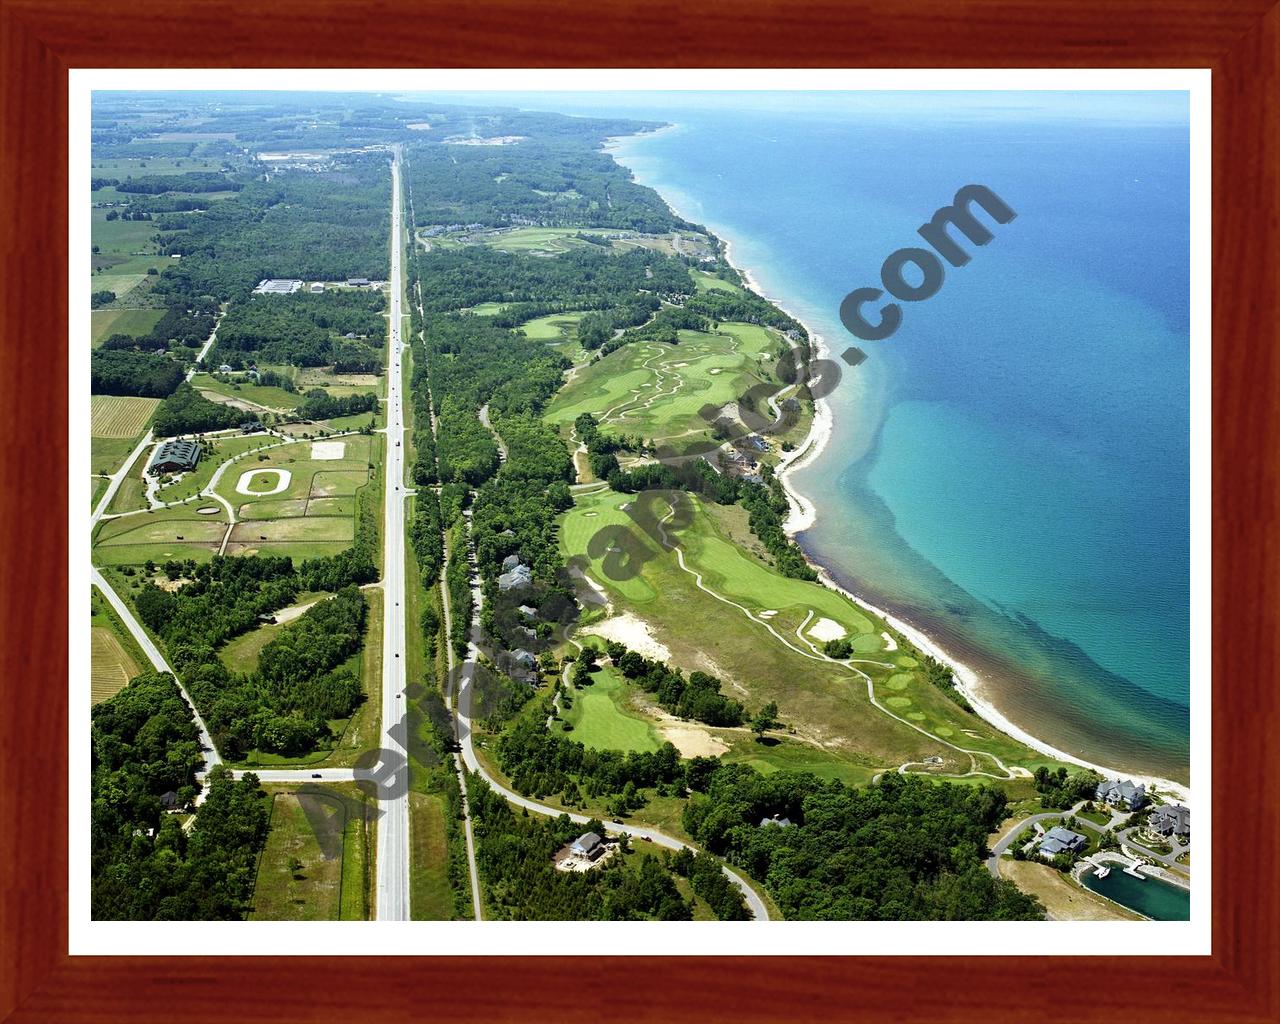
<point>133,322</point>
<point>217,451</point>
<point>160,535</point>
<point>276,399</point>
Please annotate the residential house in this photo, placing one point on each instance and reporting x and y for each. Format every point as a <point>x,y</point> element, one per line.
<point>1122,794</point>
<point>1171,820</point>
<point>1062,840</point>
<point>587,845</point>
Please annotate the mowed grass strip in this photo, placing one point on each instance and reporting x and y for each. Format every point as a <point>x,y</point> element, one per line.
<point>430,895</point>
<point>118,416</point>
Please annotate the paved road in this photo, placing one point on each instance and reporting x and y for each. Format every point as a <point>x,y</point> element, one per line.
<point>393,827</point>
<point>159,664</point>
<point>117,478</point>
<point>301,775</point>
<point>1016,829</point>
<point>463,719</point>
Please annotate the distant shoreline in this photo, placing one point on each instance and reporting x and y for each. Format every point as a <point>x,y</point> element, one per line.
<point>804,514</point>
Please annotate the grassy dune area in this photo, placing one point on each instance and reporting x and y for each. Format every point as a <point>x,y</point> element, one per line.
<point>705,282</point>
<point>317,864</point>
<point>766,648</point>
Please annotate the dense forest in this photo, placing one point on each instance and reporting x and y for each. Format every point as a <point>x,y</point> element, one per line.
<point>186,411</point>
<point>145,867</point>
<point>133,373</point>
<point>318,227</point>
<point>306,329</point>
<point>905,848</point>
<point>286,706</point>
<point>562,180</point>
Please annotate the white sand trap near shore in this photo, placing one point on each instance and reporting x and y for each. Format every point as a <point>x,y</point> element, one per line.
<point>890,644</point>
<point>632,632</point>
<point>827,629</point>
<point>244,484</point>
<point>328,451</point>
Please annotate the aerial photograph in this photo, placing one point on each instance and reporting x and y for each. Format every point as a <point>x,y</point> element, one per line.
<point>638,506</point>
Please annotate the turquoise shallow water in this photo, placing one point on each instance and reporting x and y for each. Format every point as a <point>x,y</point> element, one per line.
<point>1009,471</point>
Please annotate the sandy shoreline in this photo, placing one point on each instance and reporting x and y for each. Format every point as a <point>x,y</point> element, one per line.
<point>804,514</point>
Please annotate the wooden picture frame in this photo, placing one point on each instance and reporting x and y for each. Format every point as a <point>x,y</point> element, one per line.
<point>42,39</point>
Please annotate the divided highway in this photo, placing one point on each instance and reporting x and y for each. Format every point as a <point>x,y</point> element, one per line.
<point>393,792</point>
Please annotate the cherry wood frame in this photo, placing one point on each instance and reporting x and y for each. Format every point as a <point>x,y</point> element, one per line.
<point>40,39</point>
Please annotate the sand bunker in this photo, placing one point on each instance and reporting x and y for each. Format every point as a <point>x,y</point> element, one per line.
<point>208,510</point>
<point>283,477</point>
<point>827,629</point>
<point>692,740</point>
<point>768,613</point>
<point>890,644</point>
<point>328,451</point>
<point>631,632</point>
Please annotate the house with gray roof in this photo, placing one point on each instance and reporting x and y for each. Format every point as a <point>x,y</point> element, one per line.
<point>587,845</point>
<point>1122,793</point>
<point>1171,820</point>
<point>1062,840</point>
<point>516,578</point>
<point>776,821</point>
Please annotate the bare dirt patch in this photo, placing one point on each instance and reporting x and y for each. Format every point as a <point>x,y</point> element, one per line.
<point>1063,900</point>
<point>691,740</point>
<point>328,451</point>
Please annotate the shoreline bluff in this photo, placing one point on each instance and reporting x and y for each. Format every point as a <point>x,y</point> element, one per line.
<point>804,514</point>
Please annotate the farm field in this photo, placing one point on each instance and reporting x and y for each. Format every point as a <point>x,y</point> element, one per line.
<point>772,656</point>
<point>119,417</point>
<point>601,719</point>
<point>288,502</point>
<point>161,535</point>
<point>317,861</point>
<point>134,322</point>
<point>658,390</point>
<point>139,167</point>
<point>114,657</point>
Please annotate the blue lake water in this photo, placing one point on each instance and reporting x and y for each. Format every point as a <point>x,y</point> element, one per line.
<point>1009,471</point>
